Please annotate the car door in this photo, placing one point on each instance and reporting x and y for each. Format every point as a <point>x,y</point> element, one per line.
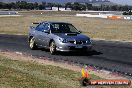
<point>44,36</point>
<point>38,34</point>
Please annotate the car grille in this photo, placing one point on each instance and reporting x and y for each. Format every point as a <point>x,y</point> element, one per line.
<point>77,42</point>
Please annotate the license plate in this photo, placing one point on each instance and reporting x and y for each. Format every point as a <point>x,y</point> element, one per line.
<point>78,46</point>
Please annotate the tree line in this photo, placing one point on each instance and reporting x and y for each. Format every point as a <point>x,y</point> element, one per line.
<point>74,6</point>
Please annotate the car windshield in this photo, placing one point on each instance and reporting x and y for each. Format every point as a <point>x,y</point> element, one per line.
<point>63,28</point>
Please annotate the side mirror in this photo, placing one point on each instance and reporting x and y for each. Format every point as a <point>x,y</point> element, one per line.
<point>46,31</point>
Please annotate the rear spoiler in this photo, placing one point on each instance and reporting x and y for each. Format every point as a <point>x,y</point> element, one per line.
<point>34,24</point>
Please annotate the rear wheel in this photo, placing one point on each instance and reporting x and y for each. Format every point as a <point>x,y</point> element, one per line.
<point>32,43</point>
<point>52,47</point>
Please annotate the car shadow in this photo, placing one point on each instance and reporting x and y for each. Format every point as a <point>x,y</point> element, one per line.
<point>80,53</point>
<point>77,53</point>
<point>43,49</point>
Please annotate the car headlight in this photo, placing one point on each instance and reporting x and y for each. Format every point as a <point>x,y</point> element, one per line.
<point>63,40</point>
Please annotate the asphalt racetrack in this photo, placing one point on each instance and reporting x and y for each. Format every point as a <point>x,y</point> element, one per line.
<point>114,56</point>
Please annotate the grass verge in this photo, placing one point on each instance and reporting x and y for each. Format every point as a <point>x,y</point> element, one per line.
<point>25,71</point>
<point>21,74</point>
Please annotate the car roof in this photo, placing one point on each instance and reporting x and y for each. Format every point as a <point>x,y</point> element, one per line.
<point>51,22</point>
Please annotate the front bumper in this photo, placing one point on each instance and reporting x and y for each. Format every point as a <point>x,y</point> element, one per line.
<point>73,47</point>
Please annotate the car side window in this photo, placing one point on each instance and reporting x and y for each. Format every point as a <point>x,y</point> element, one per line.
<point>46,26</point>
<point>40,27</point>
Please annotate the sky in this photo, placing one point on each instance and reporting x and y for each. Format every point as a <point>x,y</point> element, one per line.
<point>124,2</point>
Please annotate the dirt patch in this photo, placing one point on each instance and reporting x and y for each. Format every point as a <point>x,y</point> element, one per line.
<point>43,60</point>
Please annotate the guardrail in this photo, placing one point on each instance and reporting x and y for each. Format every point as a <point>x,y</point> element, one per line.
<point>8,13</point>
<point>107,16</point>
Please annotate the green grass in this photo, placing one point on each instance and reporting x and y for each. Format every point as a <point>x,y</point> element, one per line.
<point>93,27</point>
<point>30,74</point>
<point>20,74</point>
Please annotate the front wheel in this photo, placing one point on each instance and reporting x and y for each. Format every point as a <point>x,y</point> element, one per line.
<point>32,43</point>
<point>52,47</point>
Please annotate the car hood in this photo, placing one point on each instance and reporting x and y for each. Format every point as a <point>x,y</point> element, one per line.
<point>72,36</point>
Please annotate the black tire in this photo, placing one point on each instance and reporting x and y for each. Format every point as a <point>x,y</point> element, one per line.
<point>32,44</point>
<point>52,48</point>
